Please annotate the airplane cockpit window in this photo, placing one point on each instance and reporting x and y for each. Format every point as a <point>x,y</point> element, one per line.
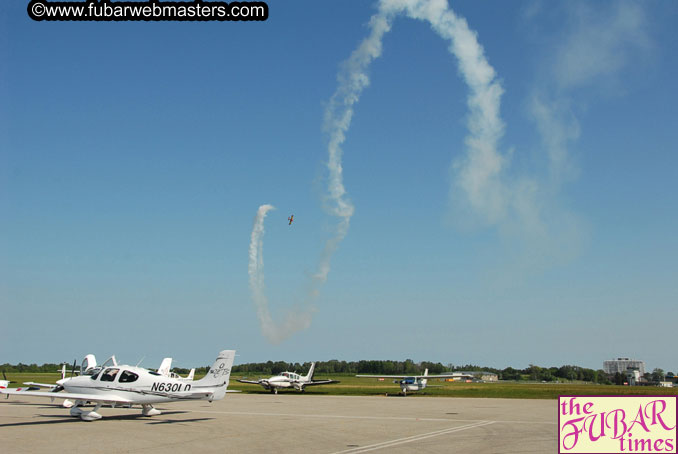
<point>92,371</point>
<point>109,374</point>
<point>128,377</point>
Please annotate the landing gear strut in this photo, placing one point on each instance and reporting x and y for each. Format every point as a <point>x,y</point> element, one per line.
<point>85,415</point>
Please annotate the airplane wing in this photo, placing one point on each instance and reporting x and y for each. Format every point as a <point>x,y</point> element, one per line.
<point>407,376</point>
<point>73,396</point>
<point>107,398</point>
<point>386,376</point>
<point>42,385</point>
<point>249,381</point>
<point>320,382</point>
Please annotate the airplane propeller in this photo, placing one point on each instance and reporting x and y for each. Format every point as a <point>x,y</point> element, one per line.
<point>4,377</point>
<point>73,369</point>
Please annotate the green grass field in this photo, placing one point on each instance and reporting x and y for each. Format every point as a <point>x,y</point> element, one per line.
<point>351,386</point>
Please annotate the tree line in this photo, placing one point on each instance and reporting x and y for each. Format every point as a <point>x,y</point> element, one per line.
<point>385,367</point>
<point>531,373</point>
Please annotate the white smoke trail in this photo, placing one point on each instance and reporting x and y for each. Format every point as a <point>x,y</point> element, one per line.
<point>352,80</point>
<point>479,173</point>
<point>294,320</point>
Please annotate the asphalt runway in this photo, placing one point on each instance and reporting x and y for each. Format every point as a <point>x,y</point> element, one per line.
<point>288,422</point>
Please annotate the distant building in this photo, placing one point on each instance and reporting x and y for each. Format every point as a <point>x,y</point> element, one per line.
<point>621,365</point>
<point>489,376</point>
<point>461,376</point>
<point>473,376</point>
<point>633,377</point>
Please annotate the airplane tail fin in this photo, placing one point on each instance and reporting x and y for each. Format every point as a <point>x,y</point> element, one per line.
<point>165,366</point>
<point>425,380</point>
<point>219,374</point>
<point>191,374</point>
<point>309,376</point>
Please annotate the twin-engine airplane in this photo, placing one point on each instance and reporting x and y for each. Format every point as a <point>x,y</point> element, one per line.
<point>409,382</point>
<point>130,385</point>
<point>289,380</point>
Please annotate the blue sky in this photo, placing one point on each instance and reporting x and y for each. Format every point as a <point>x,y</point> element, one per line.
<point>134,157</point>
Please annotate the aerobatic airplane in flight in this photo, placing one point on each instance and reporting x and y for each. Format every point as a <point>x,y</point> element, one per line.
<point>289,380</point>
<point>122,385</point>
<point>291,218</point>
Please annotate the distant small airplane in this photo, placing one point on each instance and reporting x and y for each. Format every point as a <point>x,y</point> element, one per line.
<point>291,218</point>
<point>289,380</point>
<point>131,385</point>
<point>409,382</point>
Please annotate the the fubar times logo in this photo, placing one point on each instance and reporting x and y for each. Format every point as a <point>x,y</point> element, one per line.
<point>617,424</point>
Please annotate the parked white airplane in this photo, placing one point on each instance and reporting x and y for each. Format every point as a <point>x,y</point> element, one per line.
<point>409,382</point>
<point>131,385</point>
<point>89,367</point>
<point>289,380</point>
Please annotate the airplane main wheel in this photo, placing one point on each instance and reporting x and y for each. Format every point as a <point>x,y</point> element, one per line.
<point>149,410</point>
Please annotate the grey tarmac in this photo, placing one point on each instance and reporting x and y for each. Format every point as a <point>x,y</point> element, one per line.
<point>288,422</point>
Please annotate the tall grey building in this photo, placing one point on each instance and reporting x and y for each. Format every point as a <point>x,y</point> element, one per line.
<point>622,364</point>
